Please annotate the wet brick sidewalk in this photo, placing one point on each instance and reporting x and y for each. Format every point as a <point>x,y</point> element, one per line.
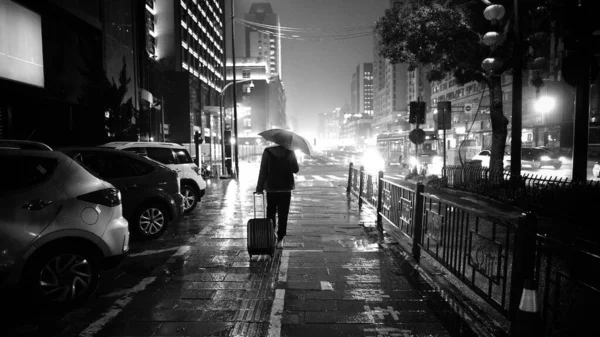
<point>334,277</point>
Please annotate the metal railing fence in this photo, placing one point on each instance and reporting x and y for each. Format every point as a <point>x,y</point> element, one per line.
<point>492,256</point>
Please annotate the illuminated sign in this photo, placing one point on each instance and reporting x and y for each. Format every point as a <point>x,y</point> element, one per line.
<point>21,54</point>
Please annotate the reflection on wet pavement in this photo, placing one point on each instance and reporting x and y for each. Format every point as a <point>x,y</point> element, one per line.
<point>334,277</point>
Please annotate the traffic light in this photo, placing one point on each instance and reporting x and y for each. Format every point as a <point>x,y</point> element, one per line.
<point>198,138</point>
<point>412,112</point>
<point>421,113</point>
<point>416,112</point>
<point>444,115</point>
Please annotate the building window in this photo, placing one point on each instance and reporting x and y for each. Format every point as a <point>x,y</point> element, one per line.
<point>245,73</point>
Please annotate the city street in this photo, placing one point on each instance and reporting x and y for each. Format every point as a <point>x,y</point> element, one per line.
<point>393,172</point>
<point>336,276</point>
<point>132,134</point>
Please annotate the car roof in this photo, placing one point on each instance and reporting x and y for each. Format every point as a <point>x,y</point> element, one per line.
<point>108,150</point>
<point>24,144</point>
<point>31,153</point>
<point>123,145</point>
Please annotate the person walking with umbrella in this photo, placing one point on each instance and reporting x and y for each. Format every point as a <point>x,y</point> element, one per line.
<point>276,176</point>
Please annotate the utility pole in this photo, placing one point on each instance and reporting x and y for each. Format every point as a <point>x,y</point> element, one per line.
<point>517,100</point>
<point>234,126</point>
<point>582,95</point>
<point>416,128</point>
<point>162,115</point>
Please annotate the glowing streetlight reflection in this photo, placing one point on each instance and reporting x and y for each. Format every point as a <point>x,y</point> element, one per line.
<point>544,104</point>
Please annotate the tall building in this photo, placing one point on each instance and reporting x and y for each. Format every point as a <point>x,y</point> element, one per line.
<point>185,43</point>
<point>361,93</point>
<point>357,124</point>
<point>329,128</point>
<point>390,104</point>
<point>264,42</point>
<point>264,105</point>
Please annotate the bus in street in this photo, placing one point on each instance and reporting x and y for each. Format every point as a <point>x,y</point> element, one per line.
<point>396,148</point>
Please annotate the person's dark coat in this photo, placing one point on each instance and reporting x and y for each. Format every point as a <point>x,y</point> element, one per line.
<point>277,168</point>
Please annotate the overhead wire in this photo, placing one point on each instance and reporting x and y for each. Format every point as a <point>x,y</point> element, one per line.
<point>298,35</point>
<point>294,29</point>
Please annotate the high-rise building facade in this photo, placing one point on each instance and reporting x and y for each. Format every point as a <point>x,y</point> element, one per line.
<point>264,42</point>
<point>361,90</point>
<point>329,128</point>
<point>185,43</point>
<point>390,104</point>
<point>357,124</point>
<point>265,103</point>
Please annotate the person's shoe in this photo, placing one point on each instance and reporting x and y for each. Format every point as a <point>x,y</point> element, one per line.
<point>280,243</point>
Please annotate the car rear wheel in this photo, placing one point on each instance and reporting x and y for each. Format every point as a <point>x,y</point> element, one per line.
<point>150,221</point>
<point>557,165</point>
<point>536,164</point>
<point>64,277</point>
<point>190,198</point>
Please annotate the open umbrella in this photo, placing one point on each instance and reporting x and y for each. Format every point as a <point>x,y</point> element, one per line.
<point>288,139</point>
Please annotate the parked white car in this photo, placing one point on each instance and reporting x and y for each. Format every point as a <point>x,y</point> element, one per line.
<point>176,157</point>
<point>485,155</point>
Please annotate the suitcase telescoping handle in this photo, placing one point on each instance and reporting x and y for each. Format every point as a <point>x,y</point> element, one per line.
<point>264,204</point>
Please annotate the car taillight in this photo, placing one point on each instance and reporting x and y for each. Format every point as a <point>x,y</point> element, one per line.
<point>110,197</point>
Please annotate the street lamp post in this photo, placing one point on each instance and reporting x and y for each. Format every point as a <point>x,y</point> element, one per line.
<point>233,126</point>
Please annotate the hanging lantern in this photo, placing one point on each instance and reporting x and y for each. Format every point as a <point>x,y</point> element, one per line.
<point>491,64</point>
<point>493,38</point>
<point>494,12</point>
<point>537,63</point>
<point>538,38</point>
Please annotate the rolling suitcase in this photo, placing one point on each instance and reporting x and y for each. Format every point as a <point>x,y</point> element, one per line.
<point>260,233</point>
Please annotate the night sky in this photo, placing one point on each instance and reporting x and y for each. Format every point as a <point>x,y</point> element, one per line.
<point>317,74</point>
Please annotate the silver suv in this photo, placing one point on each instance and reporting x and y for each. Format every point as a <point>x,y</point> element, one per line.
<point>59,226</point>
<point>176,157</point>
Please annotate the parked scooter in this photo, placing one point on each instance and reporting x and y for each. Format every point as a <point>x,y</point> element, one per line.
<point>205,170</point>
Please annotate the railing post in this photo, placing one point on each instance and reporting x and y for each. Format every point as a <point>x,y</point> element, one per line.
<point>349,188</point>
<point>418,221</point>
<point>379,198</point>
<point>523,262</point>
<point>360,188</point>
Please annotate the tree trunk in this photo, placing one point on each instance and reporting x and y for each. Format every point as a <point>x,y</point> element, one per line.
<point>499,125</point>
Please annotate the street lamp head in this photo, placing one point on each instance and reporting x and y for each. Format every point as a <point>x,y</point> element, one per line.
<point>544,104</point>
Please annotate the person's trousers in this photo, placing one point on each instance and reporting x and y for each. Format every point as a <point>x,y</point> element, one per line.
<point>279,203</point>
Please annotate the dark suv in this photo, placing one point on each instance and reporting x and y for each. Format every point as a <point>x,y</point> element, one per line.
<point>539,156</point>
<point>150,191</point>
